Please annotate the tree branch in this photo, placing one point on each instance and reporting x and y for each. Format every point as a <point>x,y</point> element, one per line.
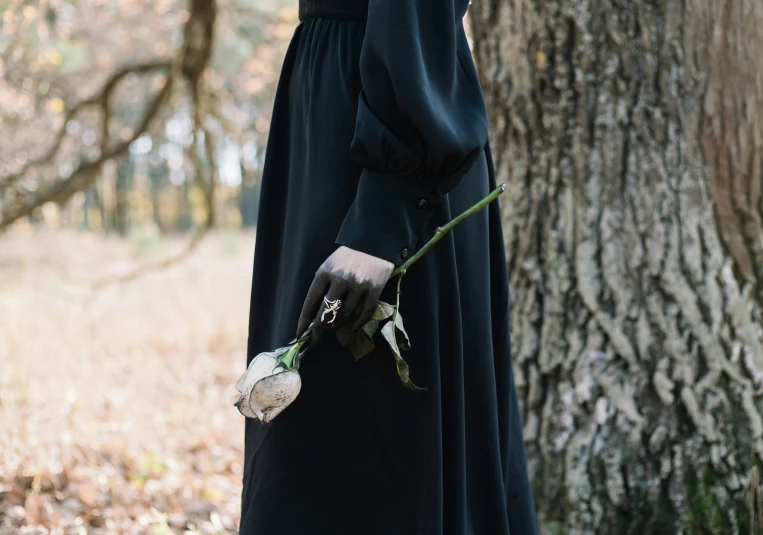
<point>190,62</point>
<point>87,173</point>
<point>99,99</point>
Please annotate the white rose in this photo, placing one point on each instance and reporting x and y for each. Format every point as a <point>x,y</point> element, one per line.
<point>269,385</point>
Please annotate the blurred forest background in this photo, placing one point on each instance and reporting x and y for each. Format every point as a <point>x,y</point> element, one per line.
<point>129,129</point>
<point>629,134</point>
<point>128,115</point>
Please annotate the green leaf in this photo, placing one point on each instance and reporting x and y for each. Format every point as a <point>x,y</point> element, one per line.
<point>388,331</point>
<point>358,342</point>
<point>383,311</point>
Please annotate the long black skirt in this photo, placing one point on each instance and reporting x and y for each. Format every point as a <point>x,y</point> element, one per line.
<point>358,453</point>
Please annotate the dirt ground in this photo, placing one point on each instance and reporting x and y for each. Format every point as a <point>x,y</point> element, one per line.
<point>116,405</point>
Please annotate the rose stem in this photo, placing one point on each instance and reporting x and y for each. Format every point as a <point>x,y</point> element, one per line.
<point>438,235</point>
<point>442,231</point>
<point>397,302</point>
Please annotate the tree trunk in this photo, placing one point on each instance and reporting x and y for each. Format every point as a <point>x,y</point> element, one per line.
<point>123,187</point>
<point>249,196</point>
<point>628,133</point>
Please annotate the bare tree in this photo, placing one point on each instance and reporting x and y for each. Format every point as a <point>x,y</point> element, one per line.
<point>188,64</point>
<point>629,134</point>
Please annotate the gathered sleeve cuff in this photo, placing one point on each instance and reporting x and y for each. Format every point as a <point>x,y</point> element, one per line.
<point>387,216</point>
<point>421,123</point>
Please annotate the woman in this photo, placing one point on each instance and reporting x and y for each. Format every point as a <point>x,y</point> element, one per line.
<point>379,135</point>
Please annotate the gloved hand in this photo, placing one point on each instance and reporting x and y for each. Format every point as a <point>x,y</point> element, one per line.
<point>356,278</point>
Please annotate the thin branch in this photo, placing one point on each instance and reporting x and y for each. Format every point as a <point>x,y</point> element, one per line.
<point>190,62</point>
<point>158,266</point>
<point>197,46</point>
<point>86,174</point>
<point>99,99</point>
<point>195,240</point>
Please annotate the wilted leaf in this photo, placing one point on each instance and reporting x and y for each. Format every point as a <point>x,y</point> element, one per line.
<point>371,328</point>
<point>358,342</point>
<point>402,336</point>
<point>383,311</point>
<point>388,331</point>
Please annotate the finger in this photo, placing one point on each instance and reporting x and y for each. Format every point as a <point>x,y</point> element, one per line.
<point>327,314</point>
<point>370,300</point>
<point>313,300</point>
<point>353,299</point>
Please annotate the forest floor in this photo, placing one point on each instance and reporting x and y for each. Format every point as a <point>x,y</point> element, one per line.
<point>116,405</point>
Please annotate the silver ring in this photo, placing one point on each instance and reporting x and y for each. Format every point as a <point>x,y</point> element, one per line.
<point>331,306</point>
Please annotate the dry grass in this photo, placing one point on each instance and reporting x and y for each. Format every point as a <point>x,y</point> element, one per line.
<point>116,406</point>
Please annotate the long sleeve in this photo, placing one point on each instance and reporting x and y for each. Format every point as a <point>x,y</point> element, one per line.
<point>421,122</point>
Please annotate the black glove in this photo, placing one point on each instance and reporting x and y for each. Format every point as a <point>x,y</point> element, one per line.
<point>356,279</point>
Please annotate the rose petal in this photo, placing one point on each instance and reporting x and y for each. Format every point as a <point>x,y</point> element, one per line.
<point>242,404</point>
<point>271,395</point>
<point>262,365</point>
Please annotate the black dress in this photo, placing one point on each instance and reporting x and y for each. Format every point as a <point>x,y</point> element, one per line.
<point>379,135</point>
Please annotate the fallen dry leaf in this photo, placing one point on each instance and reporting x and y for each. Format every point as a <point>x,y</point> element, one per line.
<point>117,405</point>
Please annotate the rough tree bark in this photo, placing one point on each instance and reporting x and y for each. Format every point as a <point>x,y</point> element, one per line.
<point>629,135</point>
